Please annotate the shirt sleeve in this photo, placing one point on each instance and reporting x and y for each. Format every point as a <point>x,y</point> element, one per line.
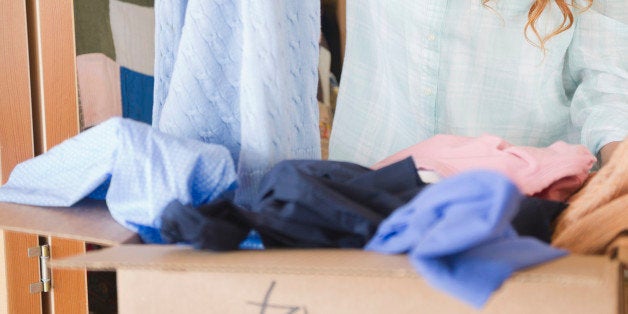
<point>597,64</point>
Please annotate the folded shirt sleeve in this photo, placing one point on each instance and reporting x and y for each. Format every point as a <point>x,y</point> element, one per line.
<point>597,77</point>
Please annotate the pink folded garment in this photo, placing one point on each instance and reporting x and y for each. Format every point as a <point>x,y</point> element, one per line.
<point>99,88</point>
<point>554,172</point>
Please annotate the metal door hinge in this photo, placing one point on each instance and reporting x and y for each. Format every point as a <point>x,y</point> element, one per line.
<point>43,252</point>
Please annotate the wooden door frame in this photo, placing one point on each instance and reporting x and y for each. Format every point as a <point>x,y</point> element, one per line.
<point>56,118</point>
<point>39,109</point>
<point>16,145</point>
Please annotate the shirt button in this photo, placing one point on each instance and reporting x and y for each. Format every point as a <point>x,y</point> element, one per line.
<point>428,92</point>
<point>431,37</point>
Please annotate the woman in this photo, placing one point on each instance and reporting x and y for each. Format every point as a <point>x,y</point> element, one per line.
<point>532,72</point>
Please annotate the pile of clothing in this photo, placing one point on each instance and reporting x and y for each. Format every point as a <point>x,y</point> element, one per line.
<point>485,209</point>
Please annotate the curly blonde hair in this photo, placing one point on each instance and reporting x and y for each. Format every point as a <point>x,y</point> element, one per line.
<point>537,9</point>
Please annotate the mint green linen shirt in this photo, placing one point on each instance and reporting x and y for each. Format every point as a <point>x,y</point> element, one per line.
<point>416,68</point>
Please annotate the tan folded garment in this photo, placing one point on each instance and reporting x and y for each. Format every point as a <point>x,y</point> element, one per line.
<point>593,233</point>
<point>608,184</point>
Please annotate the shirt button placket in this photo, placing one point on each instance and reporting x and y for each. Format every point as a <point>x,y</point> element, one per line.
<point>432,43</point>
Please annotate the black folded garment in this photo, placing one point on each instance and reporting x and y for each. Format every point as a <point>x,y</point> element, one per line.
<point>313,203</point>
<point>536,218</point>
<point>215,226</point>
<point>302,203</point>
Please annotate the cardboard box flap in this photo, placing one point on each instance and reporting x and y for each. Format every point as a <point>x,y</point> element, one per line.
<point>287,261</point>
<point>88,221</point>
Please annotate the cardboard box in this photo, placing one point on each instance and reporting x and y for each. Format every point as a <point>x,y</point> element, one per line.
<point>177,279</point>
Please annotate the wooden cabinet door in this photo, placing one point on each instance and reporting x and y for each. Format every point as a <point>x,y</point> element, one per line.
<point>38,109</point>
<point>16,126</point>
<point>17,271</point>
<point>56,118</point>
<point>53,68</point>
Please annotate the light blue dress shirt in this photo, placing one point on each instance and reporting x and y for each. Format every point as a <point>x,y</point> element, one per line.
<point>135,168</point>
<point>414,69</point>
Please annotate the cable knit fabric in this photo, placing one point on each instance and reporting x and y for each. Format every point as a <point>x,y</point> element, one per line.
<point>458,236</point>
<point>138,170</point>
<point>554,172</point>
<point>197,70</point>
<point>243,74</point>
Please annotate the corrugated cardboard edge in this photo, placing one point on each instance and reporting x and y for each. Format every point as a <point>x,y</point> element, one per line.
<point>619,248</point>
<point>88,221</point>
